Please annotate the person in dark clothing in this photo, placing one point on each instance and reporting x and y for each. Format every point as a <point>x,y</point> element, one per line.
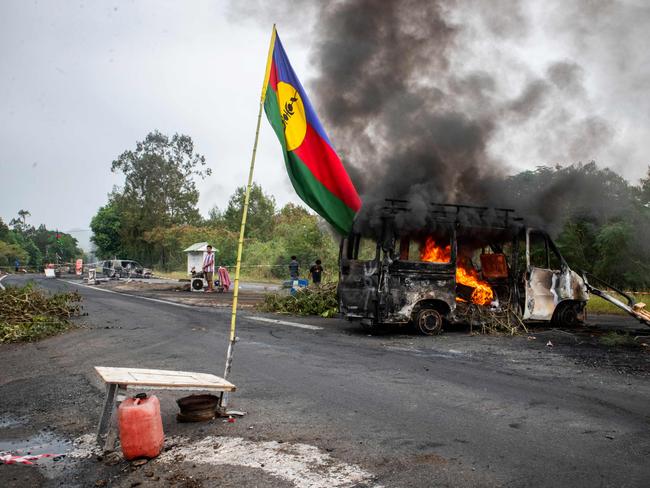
<point>294,268</point>
<point>316,272</point>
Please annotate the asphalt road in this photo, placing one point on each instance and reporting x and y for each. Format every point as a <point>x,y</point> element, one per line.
<point>454,410</point>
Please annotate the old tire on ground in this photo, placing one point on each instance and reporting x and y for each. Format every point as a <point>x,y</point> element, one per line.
<point>567,314</point>
<point>428,321</point>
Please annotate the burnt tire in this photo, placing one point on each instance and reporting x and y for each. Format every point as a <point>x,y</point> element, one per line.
<point>428,321</point>
<point>567,315</point>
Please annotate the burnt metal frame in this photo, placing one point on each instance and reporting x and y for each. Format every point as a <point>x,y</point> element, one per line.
<point>449,214</point>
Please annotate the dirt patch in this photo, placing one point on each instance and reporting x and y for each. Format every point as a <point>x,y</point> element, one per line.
<point>179,292</point>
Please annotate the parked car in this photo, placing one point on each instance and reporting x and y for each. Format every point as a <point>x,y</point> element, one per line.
<point>123,268</point>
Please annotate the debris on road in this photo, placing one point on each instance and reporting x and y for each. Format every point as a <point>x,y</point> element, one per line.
<point>235,413</point>
<point>197,408</point>
<point>300,464</point>
<point>314,300</point>
<point>28,313</point>
<point>8,458</point>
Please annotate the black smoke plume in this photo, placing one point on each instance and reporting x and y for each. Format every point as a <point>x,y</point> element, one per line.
<point>413,120</point>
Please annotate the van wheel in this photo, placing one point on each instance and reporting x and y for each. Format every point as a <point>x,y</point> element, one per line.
<point>428,322</point>
<point>567,315</point>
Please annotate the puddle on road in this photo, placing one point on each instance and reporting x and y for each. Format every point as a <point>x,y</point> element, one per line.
<point>14,440</point>
<point>41,443</point>
<point>7,421</point>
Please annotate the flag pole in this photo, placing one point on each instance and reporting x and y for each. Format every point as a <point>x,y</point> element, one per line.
<point>242,229</point>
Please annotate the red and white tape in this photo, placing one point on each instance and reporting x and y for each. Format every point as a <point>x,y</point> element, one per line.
<point>13,459</point>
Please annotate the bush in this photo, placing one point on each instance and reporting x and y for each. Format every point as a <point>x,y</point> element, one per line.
<point>28,314</point>
<point>314,300</point>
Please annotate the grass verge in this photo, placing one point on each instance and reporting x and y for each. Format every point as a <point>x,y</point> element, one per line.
<point>599,305</point>
<point>28,313</point>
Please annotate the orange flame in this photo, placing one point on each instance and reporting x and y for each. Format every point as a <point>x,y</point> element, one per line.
<point>465,272</point>
<point>435,254</point>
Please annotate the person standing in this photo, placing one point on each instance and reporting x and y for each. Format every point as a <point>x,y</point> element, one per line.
<point>294,268</point>
<point>17,265</point>
<point>316,272</point>
<point>208,268</point>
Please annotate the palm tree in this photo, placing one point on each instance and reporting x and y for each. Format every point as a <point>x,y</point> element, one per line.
<point>23,214</point>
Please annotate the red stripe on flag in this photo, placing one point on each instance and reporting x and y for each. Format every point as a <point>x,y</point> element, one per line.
<point>273,77</point>
<point>327,168</point>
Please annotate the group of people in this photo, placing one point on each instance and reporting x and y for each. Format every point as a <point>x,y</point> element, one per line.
<point>315,271</point>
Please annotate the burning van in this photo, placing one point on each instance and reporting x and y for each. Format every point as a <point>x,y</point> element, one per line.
<point>461,264</point>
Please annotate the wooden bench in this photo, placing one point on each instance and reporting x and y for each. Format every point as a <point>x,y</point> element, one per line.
<point>119,380</point>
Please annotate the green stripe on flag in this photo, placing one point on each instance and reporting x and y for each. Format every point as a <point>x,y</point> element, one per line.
<point>311,190</point>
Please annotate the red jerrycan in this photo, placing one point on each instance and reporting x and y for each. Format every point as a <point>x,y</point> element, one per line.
<point>141,431</point>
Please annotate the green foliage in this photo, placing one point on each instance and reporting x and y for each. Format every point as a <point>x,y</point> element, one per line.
<point>34,253</point>
<point>31,246</point>
<point>215,217</point>
<point>27,313</point>
<point>606,235</point>
<point>314,300</point>
<point>261,209</point>
<point>4,230</point>
<point>159,191</point>
<point>167,244</point>
<point>106,228</point>
<point>644,190</point>
<point>577,243</point>
<point>10,252</point>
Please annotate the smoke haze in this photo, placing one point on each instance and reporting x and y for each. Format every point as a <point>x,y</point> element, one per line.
<point>427,100</point>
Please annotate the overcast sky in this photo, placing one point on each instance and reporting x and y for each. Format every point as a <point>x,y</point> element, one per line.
<point>82,81</point>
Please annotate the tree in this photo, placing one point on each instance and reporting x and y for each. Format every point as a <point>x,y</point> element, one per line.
<point>23,214</point>
<point>34,253</point>
<point>10,252</point>
<point>215,217</point>
<point>261,209</point>
<point>644,189</point>
<point>618,263</point>
<point>159,188</point>
<point>4,230</point>
<point>20,224</point>
<point>577,242</point>
<point>106,229</point>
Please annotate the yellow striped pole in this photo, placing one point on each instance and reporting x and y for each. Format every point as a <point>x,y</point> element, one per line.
<point>242,229</point>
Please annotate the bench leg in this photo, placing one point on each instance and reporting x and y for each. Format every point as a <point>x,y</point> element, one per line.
<point>111,435</point>
<point>107,413</point>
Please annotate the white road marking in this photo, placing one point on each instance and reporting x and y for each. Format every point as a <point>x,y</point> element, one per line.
<point>194,307</point>
<point>2,278</point>
<point>182,305</point>
<point>284,322</point>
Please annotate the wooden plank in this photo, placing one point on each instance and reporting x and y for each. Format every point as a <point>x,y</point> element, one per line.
<point>163,378</point>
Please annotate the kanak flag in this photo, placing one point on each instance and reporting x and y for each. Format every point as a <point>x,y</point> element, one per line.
<point>314,168</point>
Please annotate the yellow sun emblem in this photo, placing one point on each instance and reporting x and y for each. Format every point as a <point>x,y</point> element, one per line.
<point>293,115</point>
